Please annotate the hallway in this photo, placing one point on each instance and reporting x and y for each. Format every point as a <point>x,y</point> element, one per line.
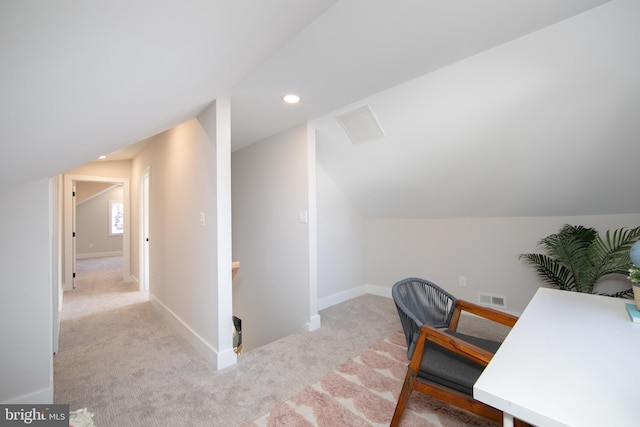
<point>120,358</point>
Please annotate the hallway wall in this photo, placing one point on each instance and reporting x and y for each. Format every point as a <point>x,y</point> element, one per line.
<point>183,234</point>
<point>93,238</point>
<point>26,370</point>
<point>270,187</point>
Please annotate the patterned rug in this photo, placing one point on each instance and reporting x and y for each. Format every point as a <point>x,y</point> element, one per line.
<point>81,418</point>
<point>363,392</point>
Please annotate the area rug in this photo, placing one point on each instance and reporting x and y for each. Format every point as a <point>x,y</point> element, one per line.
<point>81,418</point>
<point>363,392</point>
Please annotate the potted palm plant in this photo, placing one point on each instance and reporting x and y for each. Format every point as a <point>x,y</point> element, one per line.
<point>578,257</point>
<point>634,272</point>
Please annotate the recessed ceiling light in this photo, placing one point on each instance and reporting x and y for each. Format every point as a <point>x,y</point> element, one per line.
<point>291,98</point>
<point>102,157</point>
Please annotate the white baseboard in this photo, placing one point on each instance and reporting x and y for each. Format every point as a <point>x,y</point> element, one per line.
<point>380,291</point>
<point>314,323</point>
<point>219,360</point>
<point>98,255</point>
<point>343,296</point>
<point>38,397</point>
<point>226,358</point>
<point>340,297</point>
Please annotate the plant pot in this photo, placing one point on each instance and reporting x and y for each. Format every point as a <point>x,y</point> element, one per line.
<point>636,295</point>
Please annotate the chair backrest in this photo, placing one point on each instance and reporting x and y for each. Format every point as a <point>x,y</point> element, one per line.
<point>421,302</point>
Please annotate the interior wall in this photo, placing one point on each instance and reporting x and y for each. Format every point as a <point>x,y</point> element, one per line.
<point>341,244</point>
<point>92,225</point>
<point>484,250</point>
<point>270,189</point>
<point>87,189</point>
<point>107,169</point>
<point>183,268</point>
<point>26,295</point>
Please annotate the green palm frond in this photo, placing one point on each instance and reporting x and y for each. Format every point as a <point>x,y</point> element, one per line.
<point>577,257</point>
<point>613,251</point>
<point>550,270</point>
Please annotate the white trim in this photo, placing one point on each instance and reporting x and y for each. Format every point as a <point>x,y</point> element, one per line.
<point>343,296</point>
<point>226,358</point>
<point>380,291</point>
<point>340,297</point>
<point>222,146</point>
<point>314,324</point>
<point>219,360</point>
<point>53,326</point>
<point>312,177</point>
<point>98,254</point>
<point>144,218</point>
<point>39,397</point>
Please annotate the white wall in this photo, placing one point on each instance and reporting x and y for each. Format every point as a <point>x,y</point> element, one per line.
<point>485,250</point>
<point>359,255</point>
<point>341,245</point>
<point>113,169</point>
<point>26,367</point>
<point>92,225</point>
<point>182,251</point>
<point>184,258</point>
<point>270,188</point>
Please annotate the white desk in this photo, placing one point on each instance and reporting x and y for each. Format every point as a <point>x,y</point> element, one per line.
<point>571,360</point>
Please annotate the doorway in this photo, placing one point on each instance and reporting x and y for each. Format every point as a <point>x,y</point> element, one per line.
<point>70,225</point>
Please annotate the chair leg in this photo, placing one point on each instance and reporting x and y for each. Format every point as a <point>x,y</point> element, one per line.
<point>403,399</point>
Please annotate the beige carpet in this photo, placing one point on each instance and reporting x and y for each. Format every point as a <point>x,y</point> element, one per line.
<point>123,362</point>
<point>121,359</point>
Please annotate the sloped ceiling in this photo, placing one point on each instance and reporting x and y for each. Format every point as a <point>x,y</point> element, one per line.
<point>544,125</point>
<point>492,108</point>
<point>84,78</point>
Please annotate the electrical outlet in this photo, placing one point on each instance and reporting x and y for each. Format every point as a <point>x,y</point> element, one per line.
<point>462,281</point>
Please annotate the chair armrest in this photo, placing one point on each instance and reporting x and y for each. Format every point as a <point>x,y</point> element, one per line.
<point>479,310</point>
<point>457,345</point>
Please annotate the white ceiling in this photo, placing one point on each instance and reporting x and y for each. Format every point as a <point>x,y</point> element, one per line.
<point>492,108</point>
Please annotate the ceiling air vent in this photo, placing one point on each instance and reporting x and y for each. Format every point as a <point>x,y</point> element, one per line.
<point>361,125</point>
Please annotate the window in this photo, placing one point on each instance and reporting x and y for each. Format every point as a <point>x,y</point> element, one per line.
<point>116,217</point>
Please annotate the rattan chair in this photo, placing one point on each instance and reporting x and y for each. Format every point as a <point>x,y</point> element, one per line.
<point>444,363</point>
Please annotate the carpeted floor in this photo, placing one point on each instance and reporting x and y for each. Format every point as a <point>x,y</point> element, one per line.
<point>363,391</point>
<point>120,358</point>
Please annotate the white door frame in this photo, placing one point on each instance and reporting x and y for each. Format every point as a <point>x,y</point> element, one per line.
<point>143,226</point>
<point>69,226</point>
<point>55,214</point>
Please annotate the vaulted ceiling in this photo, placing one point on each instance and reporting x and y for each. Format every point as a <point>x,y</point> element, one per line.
<point>492,108</point>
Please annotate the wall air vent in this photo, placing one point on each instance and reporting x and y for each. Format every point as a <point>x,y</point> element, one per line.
<point>361,125</point>
<point>497,301</point>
